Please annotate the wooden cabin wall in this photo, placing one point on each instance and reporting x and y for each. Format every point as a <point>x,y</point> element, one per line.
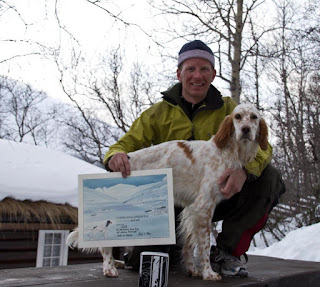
<point>18,249</point>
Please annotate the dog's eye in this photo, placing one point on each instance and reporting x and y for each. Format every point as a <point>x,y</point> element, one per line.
<point>254,117</point>
<point>238,116</point>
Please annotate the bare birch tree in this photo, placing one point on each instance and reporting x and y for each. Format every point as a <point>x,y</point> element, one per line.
<point>107,99</point>
<point>293,73</point>
<point>221,23</point>
<point>24,114</point>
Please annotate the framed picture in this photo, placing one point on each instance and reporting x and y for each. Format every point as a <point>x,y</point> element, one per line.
<point>133,211</point>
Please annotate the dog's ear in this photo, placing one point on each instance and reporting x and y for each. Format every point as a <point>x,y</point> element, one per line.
<point>223,135</point>
<point>263,134</point>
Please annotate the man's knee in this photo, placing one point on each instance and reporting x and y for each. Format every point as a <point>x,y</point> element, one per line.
<point>270,183</point>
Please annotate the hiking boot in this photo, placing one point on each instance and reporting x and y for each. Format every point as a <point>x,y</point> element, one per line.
<point>226,264</point>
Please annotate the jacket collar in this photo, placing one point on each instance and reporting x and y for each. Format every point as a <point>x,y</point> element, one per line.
<point>213,100</point>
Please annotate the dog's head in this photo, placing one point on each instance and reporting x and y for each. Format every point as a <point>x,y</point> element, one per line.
<point>245,124</point>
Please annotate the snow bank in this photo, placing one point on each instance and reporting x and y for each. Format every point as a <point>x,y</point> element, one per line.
<point>300,244</point>
<point>37,173</point>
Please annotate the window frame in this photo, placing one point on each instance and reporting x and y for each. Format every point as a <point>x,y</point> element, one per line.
<point>63,256</point>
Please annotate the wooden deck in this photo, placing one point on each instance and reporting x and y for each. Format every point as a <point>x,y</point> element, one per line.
<point>263,272</point>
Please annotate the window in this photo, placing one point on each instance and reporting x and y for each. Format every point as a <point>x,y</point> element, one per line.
<point>52,248</point>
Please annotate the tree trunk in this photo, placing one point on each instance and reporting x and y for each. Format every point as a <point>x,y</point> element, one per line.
<point>235,86</point>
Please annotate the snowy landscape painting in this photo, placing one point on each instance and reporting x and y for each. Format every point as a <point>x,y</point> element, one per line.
<point>117,211</point>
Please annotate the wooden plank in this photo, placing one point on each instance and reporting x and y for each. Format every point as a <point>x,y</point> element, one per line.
<point>36,226</point>
<point>19,249</point>
<point>19,235</point>
<point>18,245</point>
<point>13,256</point>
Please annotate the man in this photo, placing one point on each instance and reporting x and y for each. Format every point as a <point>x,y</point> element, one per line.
<point>193,110</point>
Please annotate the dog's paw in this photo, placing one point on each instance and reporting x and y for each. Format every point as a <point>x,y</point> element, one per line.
<point>194,272</point>
<point>110,271</point>
<point>213,276</point>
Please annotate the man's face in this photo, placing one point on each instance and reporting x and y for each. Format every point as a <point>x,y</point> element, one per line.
<point>195,75</point>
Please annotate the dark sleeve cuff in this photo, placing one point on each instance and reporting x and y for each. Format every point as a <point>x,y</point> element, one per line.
<point>106,166</point>
<point>250,177</point>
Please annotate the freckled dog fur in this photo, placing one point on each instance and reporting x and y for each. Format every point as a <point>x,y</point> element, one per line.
<point>197,166</point>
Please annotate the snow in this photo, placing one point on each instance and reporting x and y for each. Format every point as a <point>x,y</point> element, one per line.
<point>299,244</point>
<point>37,173</point>
<point>119,191</point>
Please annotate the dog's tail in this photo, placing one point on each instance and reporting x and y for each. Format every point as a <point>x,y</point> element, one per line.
<point>72,242</point>
<point>72,239</point>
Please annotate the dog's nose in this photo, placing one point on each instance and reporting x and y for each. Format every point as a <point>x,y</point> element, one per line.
<point>245,130</point>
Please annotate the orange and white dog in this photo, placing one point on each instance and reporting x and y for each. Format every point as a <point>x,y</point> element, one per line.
<point>197,166</point>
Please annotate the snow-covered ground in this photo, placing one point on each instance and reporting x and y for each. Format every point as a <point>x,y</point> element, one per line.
<point>299,244</point>
<point>37,173</point>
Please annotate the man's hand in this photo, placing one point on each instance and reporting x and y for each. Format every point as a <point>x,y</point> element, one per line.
<point>120,162</point>
<point>233,180</point>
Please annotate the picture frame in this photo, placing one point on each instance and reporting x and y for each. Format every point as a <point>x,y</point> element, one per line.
<point>134,211</point>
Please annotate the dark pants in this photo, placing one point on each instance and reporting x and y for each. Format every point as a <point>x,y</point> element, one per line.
<point>243,215</point>
<point>247,209</point>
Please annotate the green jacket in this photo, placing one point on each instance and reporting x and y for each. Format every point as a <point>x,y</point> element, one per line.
<point>169,120</point>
